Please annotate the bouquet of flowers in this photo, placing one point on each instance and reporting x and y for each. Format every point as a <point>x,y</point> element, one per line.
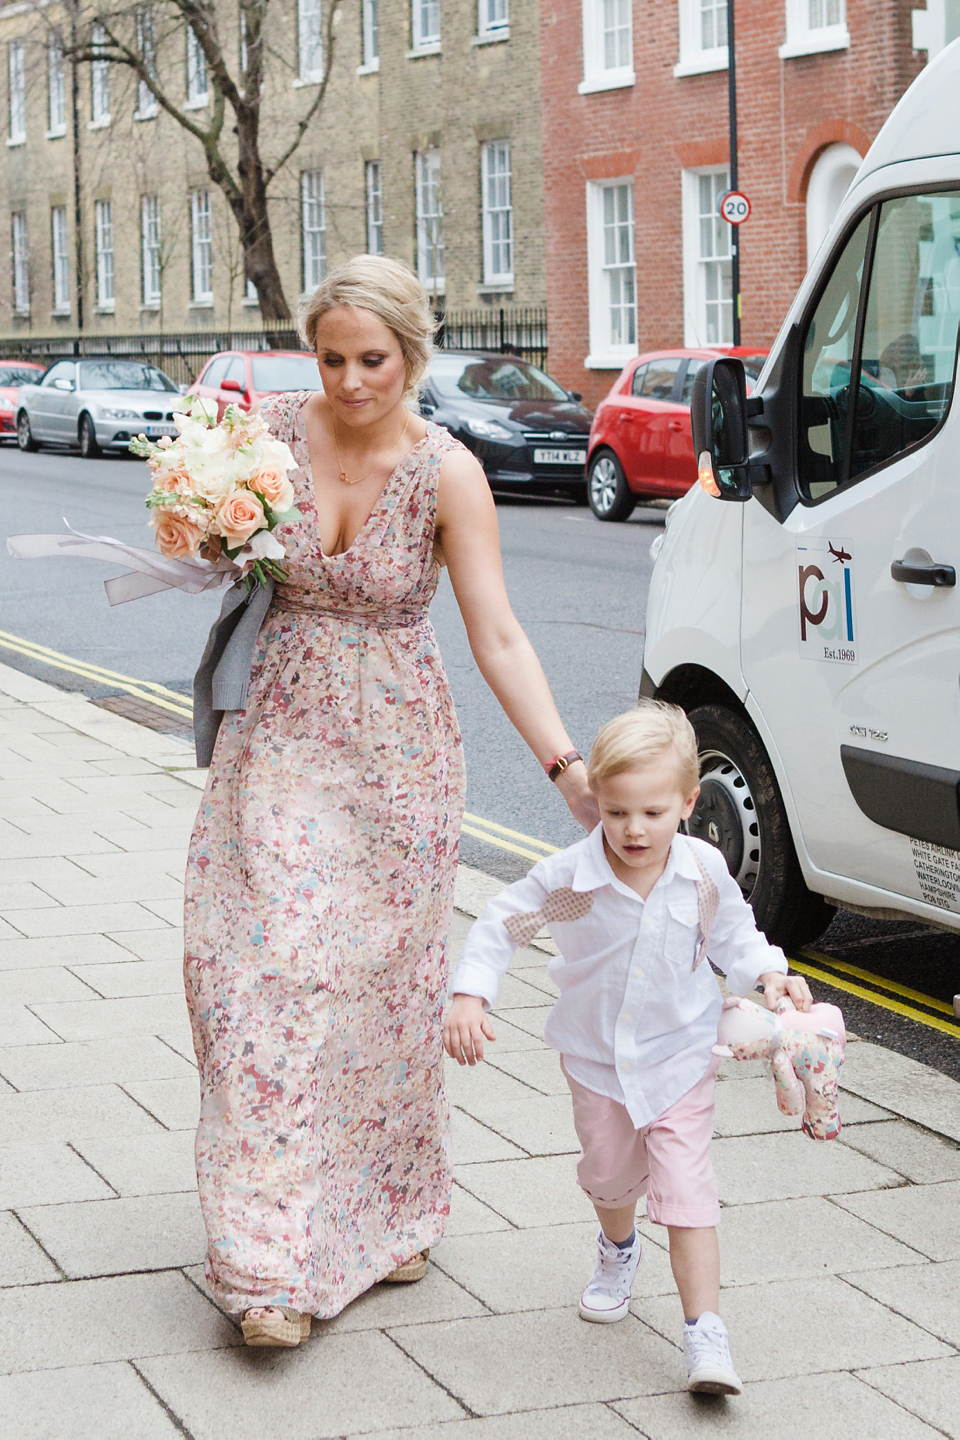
<point>220,490</point>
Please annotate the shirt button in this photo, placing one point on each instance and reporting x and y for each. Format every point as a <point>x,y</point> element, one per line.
<point>626,1065</point>
<point>626,1017</point>
<point>637,973</point>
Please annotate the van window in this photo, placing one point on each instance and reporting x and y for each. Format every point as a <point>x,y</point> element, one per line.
<point>883,348</point>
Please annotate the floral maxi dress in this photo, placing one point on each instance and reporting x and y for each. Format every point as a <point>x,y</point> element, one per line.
<point>318,901</point>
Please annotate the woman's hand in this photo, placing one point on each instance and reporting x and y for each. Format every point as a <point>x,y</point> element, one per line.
<point>775,986</point>
<point>572,785</point>
<point>464,1027</point>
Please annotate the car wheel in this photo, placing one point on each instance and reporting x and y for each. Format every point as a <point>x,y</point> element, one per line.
<point>24,434</point>
<point>741,812</point>
<point>608,495</point>
<point>89,448</point>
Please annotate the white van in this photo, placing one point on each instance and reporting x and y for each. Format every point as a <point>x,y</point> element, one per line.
<point>812,630</point>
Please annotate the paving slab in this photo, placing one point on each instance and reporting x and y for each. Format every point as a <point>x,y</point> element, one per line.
<point>108,1401</point>
<point>170,911</point>
<point>174,1103</point>
<point>22,1262</point>
<point>20,1026</point>
<point>781,1166</point>
<point>749,1107</point>
<point>46,1175</point>
<point>92,1322</point>
<point>539,1069</point>
<point>24,896</point>
<point>153,1164</point>
<point>93,1019</point>
<point>530,1193</point>
<point>473,1143</point>
<point>116,1237</point>
<point>469,1216</point>
<point>927,1294</point>
<point>95,1062</point>
<point>123,833</point>
<point>927,1217</point>
<point>19,953</point>
<point>530,1018</point>
<point>539,1269</point>
<point>149,885</point>
<point>859,1331</point>
<point>541,1358</point>
<point>82,919</point>
<point>151,944</point>
<point>930,1390</point>
<point>36,1116</point>
<point>125,981</point>
<point>538,1124</point>
<point>904,1086</point>
<point>48,982</point>
<point>474,1086</point>
<point>911,1152</point>
<point>434,1298</point>
<point>838,1405</point>
<point>571,1422</point>
<point>344,1384</point>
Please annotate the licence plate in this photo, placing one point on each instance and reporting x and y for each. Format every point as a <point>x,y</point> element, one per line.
<point>153,430</point>
<point>559,457</point>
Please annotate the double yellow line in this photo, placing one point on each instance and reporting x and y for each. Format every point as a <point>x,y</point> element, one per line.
<point>883,992</point>
<point>143,689</point>
<point>505,839</point>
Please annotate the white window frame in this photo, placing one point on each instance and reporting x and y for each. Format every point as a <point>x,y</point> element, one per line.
<point>99,83</point>
<point>497,213</point>
<point>309,42</point>
<point>147,108</point>
<point>150,255</point>
<point>198,93</point>
<point>103,231</point>
<point>806,38</point>
<point>597,75</point>
<point>60,251</point>
<point>369,37</point>
<point>605,352</point>
<point>18,93</point>
<point>21,263</point>
<point>373,178</point>
<point>493,21</point>
<point>425,27</point>
<point>695,328</point>
<point>201,246</point>
<point>313,229</point>
<point>694,58</point>
<point>56,93</point>
<point>429,202</point>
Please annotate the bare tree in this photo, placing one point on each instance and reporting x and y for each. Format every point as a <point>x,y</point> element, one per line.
<point>243,156</point>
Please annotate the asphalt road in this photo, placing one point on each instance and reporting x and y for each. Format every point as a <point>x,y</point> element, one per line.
<point>578,587</point>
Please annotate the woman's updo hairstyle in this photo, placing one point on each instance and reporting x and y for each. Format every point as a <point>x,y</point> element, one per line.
<point>389,290</point>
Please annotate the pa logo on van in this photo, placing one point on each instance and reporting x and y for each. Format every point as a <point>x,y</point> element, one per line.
<point>825,594</point>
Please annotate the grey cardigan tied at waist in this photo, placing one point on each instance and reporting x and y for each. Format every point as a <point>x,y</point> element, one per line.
<point>221,682</point>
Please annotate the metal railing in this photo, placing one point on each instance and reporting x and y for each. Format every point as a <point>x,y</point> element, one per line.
<point>513,330</point>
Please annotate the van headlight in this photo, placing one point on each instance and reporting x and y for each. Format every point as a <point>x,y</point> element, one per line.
<point>488,429</point>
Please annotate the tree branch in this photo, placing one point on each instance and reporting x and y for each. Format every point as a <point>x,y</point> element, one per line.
<point>303,125</point>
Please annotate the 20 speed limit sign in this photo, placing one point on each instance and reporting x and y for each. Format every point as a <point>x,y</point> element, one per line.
<point>734,207</point>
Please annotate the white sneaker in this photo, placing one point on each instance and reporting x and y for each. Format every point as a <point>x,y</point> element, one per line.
<point>607,1297</point>
<point>707,1349</point>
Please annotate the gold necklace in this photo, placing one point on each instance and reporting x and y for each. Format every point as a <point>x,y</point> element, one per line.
<point>360,478</point>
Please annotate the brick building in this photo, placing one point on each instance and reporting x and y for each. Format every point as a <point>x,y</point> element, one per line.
<point>636,154</point>
<point>428,148</point>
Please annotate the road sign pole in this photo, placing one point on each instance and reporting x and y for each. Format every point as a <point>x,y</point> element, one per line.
<point>734,177</point>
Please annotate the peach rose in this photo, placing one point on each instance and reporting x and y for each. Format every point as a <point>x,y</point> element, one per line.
<point>275,488</point>
<point>176,535</point>
<point>239,517</point>
<point>174,482</point>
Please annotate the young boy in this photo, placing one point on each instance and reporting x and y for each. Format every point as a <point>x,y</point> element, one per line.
<point>633,909</point>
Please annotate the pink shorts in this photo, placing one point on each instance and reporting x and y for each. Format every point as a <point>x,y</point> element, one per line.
<point>667,1160</point>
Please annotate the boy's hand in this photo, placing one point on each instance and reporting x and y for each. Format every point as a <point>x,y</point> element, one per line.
<point>775,986</point>
<point>464,1027</point>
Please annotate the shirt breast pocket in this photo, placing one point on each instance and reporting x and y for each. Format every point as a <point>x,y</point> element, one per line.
<point>683,933</point>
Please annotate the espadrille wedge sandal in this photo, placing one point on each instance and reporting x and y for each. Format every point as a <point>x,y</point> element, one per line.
<point>277,1327</point>
<point>413,1269</point>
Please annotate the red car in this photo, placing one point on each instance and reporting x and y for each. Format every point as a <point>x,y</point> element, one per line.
<point>640,441</point>
<point>243,377</point>
<point>13,374</point>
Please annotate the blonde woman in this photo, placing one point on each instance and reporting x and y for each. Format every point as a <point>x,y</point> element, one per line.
<point>321,872</point>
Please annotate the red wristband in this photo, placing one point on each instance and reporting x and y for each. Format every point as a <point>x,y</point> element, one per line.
<point>559,763</point>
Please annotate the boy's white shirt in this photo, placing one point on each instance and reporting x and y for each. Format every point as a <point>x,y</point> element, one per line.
<point>634,1021</point>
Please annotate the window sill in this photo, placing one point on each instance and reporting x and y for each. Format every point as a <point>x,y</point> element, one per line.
<point>431,48</point>
<point>150,307</point>
<point>145,114</point>
<point>199,102</point>
<point>610,361</point>
<point>60,314</point>
<point>703,64</point>
<point>302,82</point>
<point>836,37</point>
<point>616,80</point>
<point>372,68</point>
<point>250,302</point>
<point>491,37</point>
<point>22,314</point>
<point>109,309</point>
<point>55,134</point>
<point>16,140</point>
<point>491,287</point>
<point>201,304</point>
<point>100,124</point>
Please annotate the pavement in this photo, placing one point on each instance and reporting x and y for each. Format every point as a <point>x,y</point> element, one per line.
<point>841,1261</point>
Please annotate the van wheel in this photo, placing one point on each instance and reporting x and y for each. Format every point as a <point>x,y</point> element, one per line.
<point>608,494</point>
<point>89,448</point>
<point>740,810</point>
<point>24,434</point>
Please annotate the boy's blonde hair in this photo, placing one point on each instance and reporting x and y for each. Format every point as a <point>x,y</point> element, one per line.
<point>643,735</point>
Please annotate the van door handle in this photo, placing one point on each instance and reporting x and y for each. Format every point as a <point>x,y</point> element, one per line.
<point>932,574</point>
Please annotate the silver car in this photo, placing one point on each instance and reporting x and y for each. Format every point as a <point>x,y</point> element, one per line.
<point>96,404</point>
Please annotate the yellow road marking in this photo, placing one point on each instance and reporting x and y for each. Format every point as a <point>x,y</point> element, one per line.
<point>147,690</point>
<point>932,1021</point>
<point>501,844</point>
<point>514,834</point>
<point>890,985</point>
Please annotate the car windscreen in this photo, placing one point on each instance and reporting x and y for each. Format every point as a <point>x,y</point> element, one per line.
<point>15,375</point>
<point>273,373</point>
<point>489,377</point>
<point>123,375</point>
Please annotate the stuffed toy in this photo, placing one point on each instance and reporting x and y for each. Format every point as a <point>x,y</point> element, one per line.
<point>805,1053</point>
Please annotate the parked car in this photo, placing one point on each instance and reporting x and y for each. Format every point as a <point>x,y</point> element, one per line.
<point>13,374</point>
<point>527,431</point>
<point>640,441</point>
<point>96,404</point>
<point>244,377</point>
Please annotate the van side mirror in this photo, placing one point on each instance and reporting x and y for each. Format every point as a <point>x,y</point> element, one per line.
<point>718,415</point>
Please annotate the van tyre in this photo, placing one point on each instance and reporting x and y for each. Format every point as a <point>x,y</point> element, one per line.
<point>608,494</point>
<point>89,448</point>
<point>740,810</point>
<point>24,434</point>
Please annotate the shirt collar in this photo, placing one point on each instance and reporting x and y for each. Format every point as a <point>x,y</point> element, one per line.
<point>593,868</point>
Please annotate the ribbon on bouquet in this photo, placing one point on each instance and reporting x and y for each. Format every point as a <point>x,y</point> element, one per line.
<point>151,572</point>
